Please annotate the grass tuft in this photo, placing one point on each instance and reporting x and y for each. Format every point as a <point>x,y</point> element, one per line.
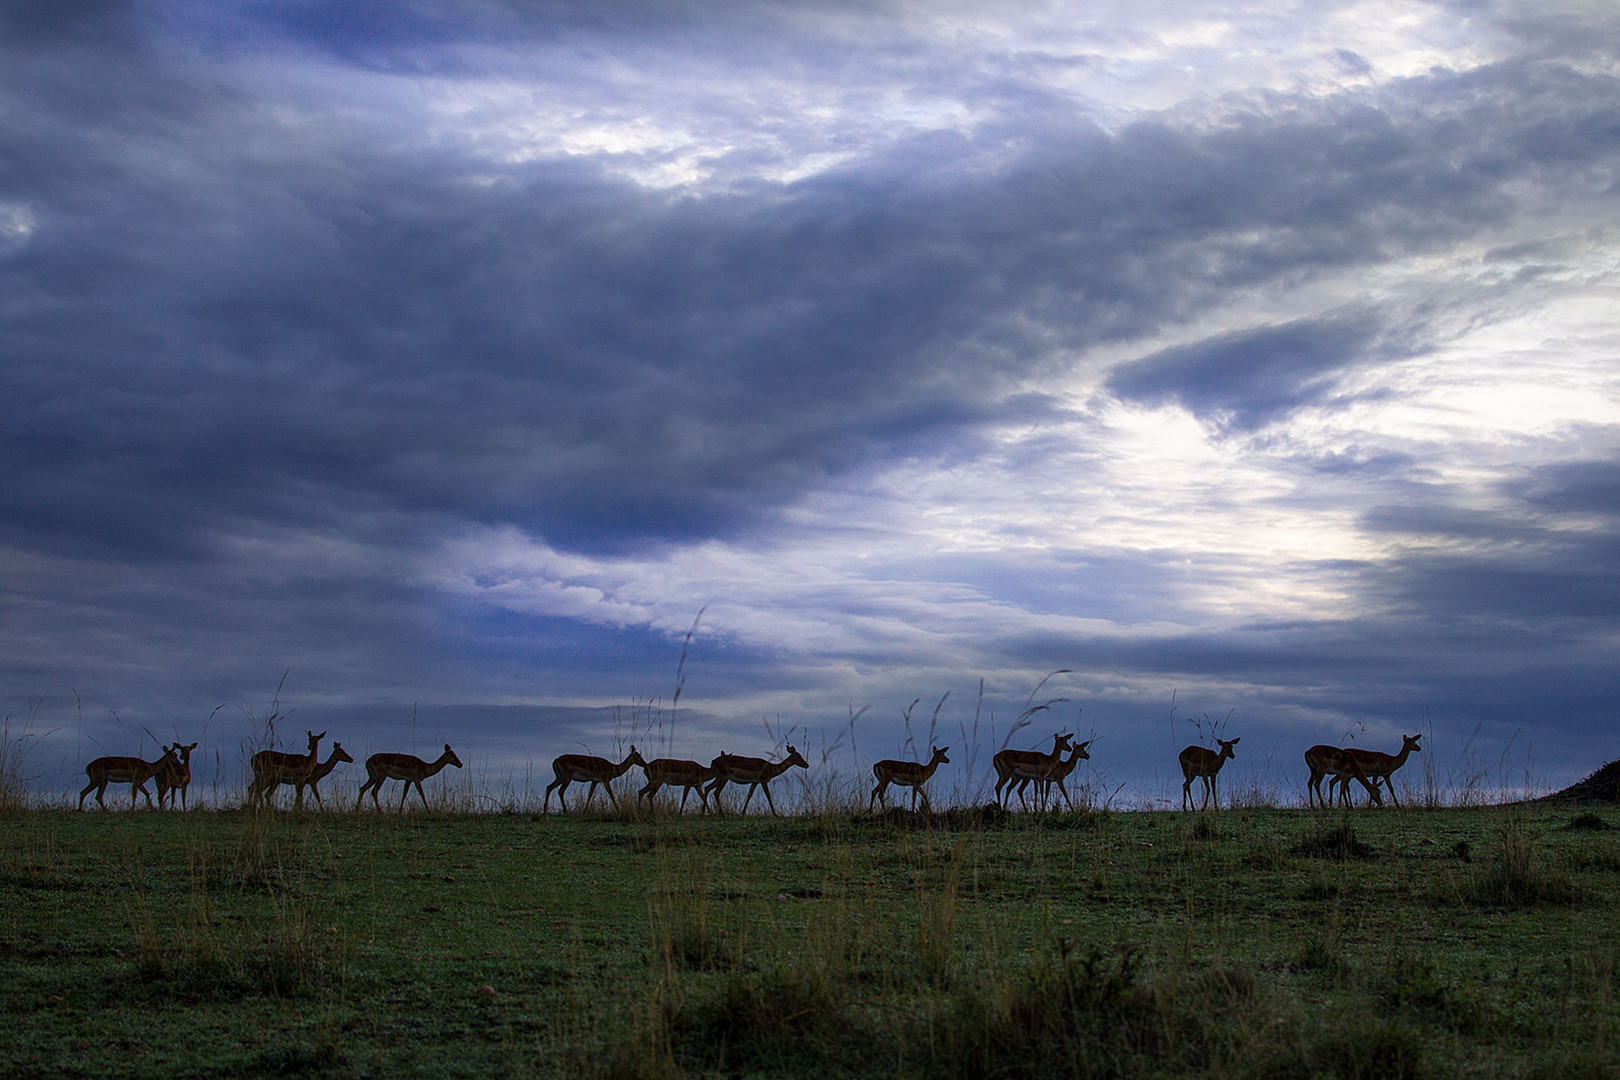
<point>1515,876</point>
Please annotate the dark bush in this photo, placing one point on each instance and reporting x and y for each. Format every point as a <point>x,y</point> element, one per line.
<point>1338,843</point>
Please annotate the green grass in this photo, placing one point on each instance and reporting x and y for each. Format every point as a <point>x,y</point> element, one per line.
<point>1262,943</point>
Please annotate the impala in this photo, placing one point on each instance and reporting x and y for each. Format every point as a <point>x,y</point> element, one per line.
<point>1378,766</point>
<point>123,770</point>
<point>753,771</point>
<point>406,767</point>
<point>1046,776</point>
<point>1008,762</point>
<point>1200,761</point>
<point>272,768</point>
<point>174,776</point>
<point>911,774</point>
<point>584,767</point>
<point>689,776</point>
<point>1340,767</point>
<point>314,776</point>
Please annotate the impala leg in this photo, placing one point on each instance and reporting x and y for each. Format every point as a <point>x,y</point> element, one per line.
<point>770,801</point>
<point>749,797</point>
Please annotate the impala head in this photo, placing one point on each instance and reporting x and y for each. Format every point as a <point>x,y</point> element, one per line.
<point>314,739</point>
<point>184,752</point>
<point>939,755</point>
<point>1227,744</point>
<point>450,756</point>
<point>1062,741</point>
<point>635,757</point>
<point>340,754</point>
<point>795,758</point>
<point>1410,742</point>
<point>1080,751</point>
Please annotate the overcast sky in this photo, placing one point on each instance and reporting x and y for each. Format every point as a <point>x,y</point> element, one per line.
<point>1251,363</point>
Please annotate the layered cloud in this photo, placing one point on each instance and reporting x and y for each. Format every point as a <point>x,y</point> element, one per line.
<point>463,355</point>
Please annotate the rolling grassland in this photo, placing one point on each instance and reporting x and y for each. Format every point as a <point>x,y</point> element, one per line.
<point>1476,941</point>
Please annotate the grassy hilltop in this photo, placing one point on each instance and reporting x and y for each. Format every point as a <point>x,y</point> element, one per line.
<point>1266,943</point>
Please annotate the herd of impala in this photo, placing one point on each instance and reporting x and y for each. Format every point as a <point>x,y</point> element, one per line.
<point>271,769</point>
<point>1015,771</point>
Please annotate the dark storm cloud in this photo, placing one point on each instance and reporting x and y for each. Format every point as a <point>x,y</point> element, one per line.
<point>1524,563</point>
<point>1590,487</point>
<point>1245,380</point>
<point>226,315</point>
